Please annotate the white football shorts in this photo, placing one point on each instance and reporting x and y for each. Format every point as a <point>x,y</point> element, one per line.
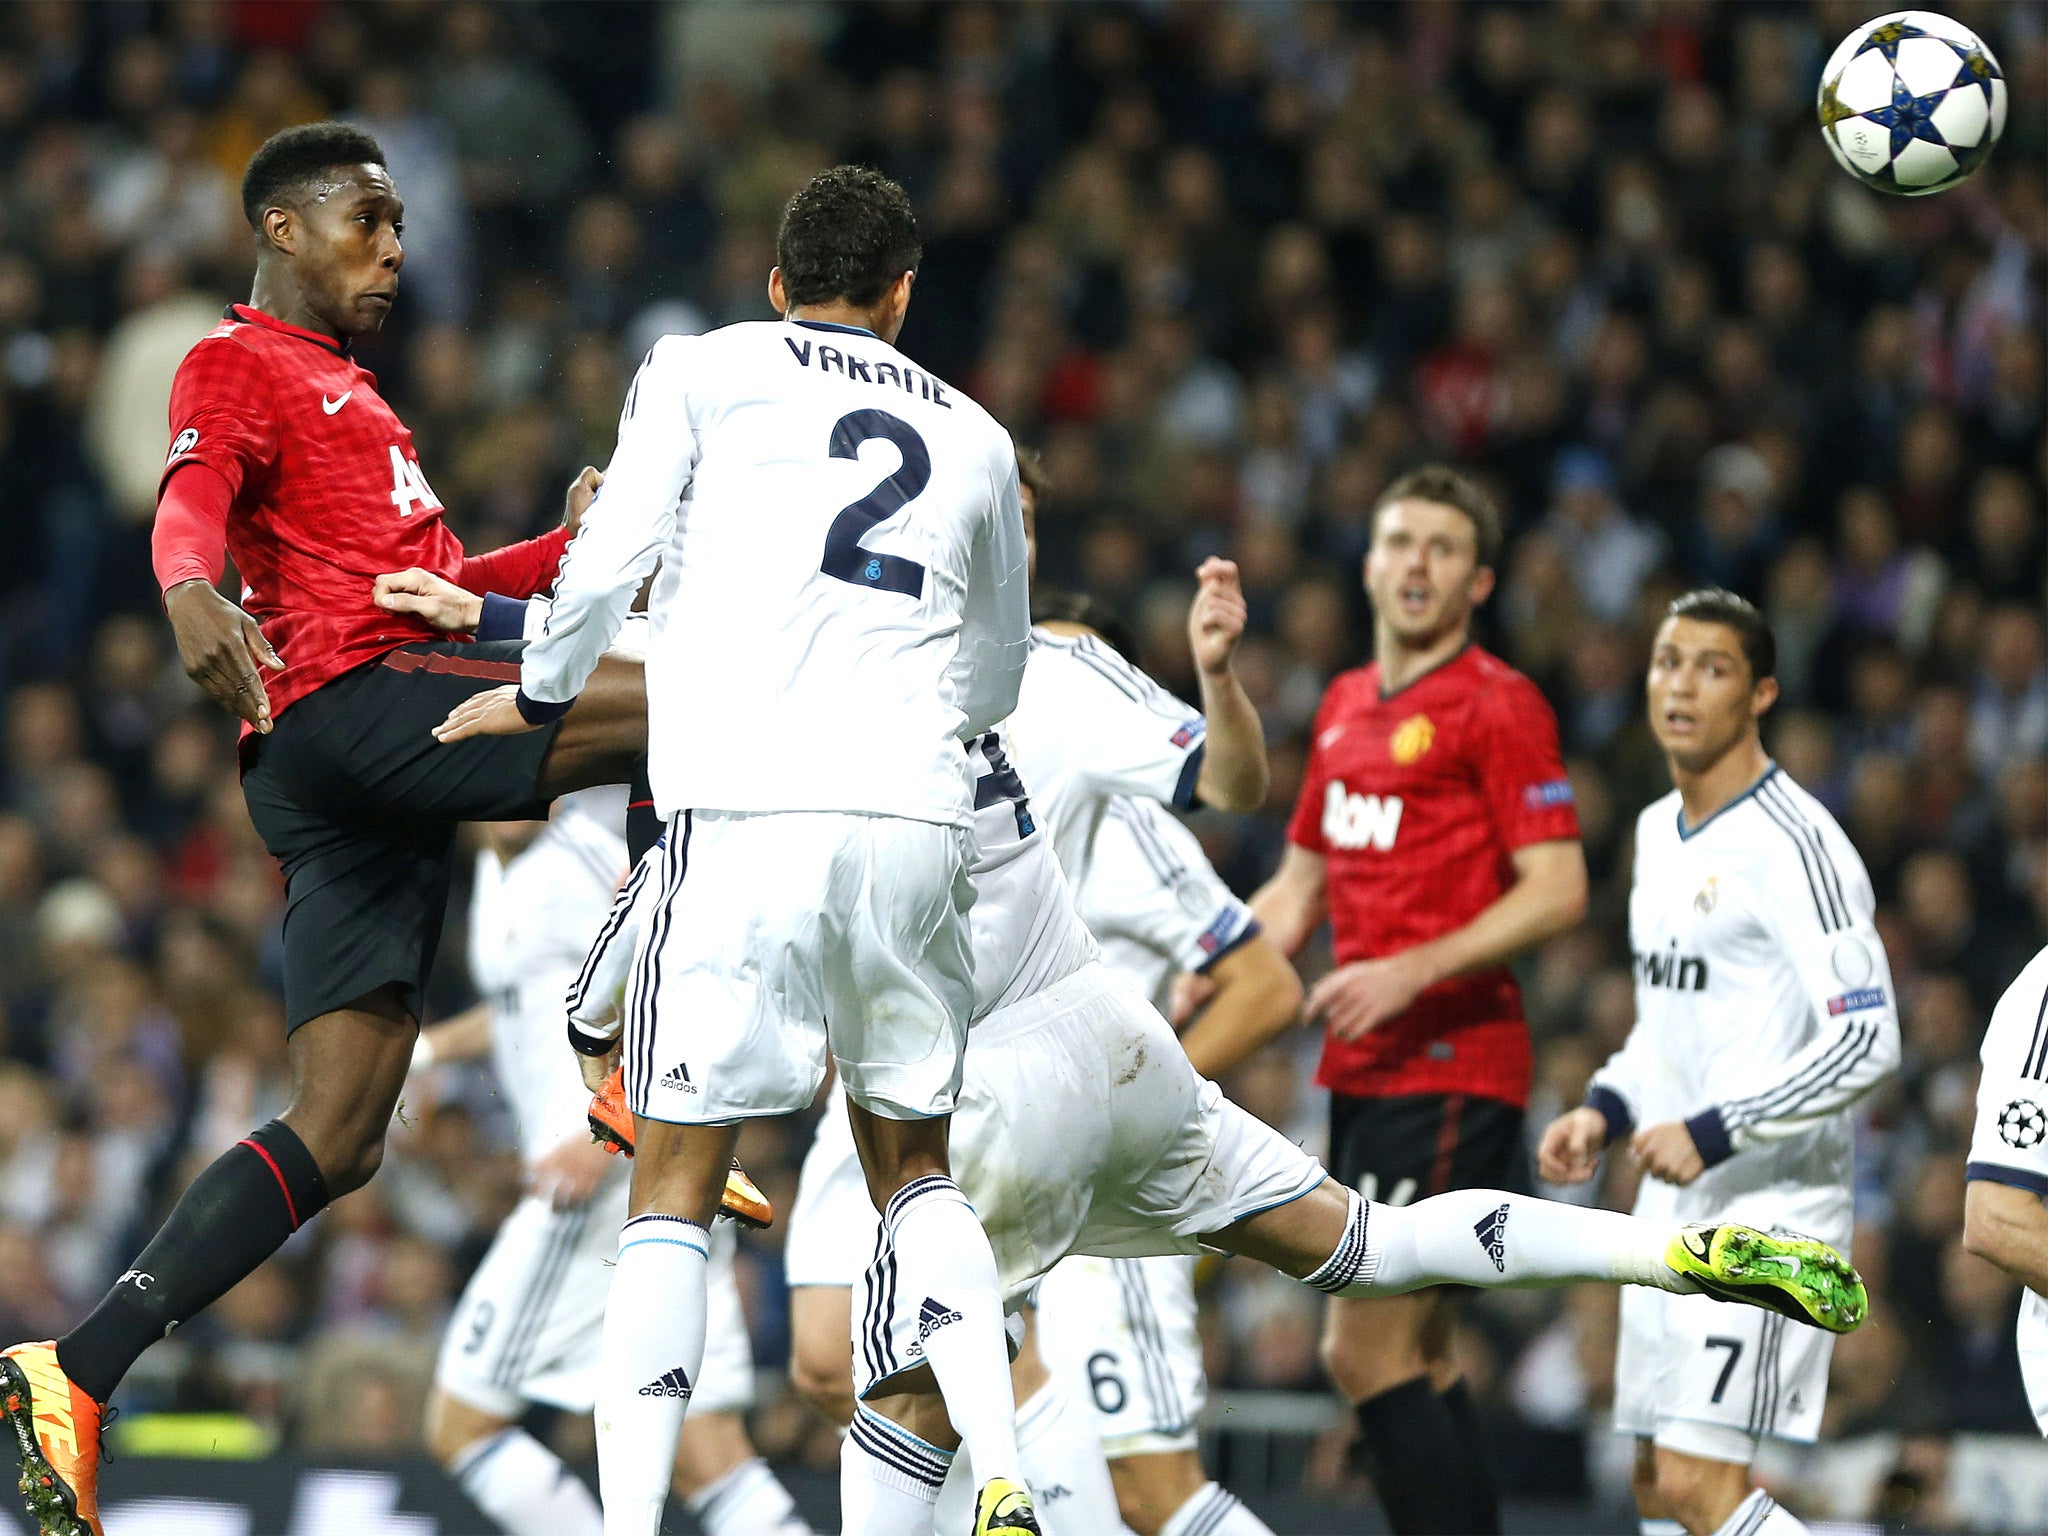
<point>1123,1334</point>
<point>1081,1128</point>
<point>1713,1379</point>
<point>531,1320</point>
<point>764,927</point>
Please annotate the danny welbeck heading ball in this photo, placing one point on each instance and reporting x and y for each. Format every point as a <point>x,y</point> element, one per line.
<point>285,456</point>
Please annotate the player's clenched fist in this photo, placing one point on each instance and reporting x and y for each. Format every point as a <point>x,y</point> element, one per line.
<point>1668,1152</point>
<point>1217,619</point>
<point>1571,1146</point>
<point>1357,998</point>
<point>220,648</point>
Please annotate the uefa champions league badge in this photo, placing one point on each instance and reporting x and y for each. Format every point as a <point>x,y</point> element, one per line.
<point>2022,1124</point>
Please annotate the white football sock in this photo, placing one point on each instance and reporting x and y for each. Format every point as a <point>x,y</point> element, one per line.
<point>525,1488</point>
<point>1762,1515</point>
<point>1489,1238</point>
<point>1061,1451</point>
<point>889,1479</point>
<point>943,1258</point>
<point>1212,1510</point>
<point>653,1348</point>
<point>748,1501</point>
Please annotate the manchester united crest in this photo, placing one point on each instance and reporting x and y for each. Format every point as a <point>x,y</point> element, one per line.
<point>1411,738</point>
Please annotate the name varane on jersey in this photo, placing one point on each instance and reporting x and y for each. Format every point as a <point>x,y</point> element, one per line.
<point>841,601</point>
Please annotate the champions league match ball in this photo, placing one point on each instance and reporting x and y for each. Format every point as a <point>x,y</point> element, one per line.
<point>1911,103</point>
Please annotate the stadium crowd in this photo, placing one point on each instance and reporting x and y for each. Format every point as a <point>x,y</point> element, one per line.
<point>1232,267</point>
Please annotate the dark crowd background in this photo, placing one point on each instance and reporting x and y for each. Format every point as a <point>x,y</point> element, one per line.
<point>1232,267</point>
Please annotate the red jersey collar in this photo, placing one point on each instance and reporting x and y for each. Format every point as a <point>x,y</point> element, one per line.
<point>1380,689</point>
<point>247,315</point>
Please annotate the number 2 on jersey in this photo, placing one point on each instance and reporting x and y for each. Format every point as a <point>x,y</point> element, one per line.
<point>844,557</point>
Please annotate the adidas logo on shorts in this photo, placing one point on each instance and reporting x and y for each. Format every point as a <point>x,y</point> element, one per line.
<point>677,1079</point>
<point>1492,1233</point>
<point>674,1384</point>
<point>931,1317</point>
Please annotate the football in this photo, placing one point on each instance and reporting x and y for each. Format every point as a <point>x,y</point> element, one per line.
<point>1911,103</point>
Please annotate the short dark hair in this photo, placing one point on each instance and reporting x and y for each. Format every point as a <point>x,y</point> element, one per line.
<point>293,156</point>
<point>1446,486</point>
<point>1717,605</point>
<point>1051,605</point>
<point>847,234</point>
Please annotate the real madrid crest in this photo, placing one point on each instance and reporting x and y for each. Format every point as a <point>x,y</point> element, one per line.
<point>1412,737</point>
<point>1703,903</point>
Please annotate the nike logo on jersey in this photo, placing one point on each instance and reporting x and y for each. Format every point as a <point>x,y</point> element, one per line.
<point>1360,821</point>
<point>673,1384</point>
<point>677,1079</point>
<point>1492,1232</point>
<point>331,406</point>
<point>1329,738</point>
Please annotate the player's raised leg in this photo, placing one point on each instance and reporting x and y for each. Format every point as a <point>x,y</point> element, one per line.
<point>1338,1242</point>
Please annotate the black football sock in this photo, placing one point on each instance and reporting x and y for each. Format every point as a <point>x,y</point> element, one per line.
<point>1420,1464</point>
<point>643,827</point>
<point>1482,1490</point>
<point>237,1213</point>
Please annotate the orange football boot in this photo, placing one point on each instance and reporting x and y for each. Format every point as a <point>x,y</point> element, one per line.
<point>611,1127</point>
<point>58,1429</point>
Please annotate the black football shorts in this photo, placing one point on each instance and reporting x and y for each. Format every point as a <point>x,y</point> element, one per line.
<point>1409,1147</point>
<point>359,804</point>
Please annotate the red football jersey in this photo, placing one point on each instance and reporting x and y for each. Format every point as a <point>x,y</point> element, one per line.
<point>1418,800</point>
<point>328,495</point>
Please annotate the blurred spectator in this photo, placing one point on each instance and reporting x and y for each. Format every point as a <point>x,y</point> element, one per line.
<point>1609,553</point>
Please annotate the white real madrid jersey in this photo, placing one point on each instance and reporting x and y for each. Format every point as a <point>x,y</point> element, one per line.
<point>1153,901</point>
<point>1023,927</point>
<point>1764,1001</point>
<point>531,921</point>
<point>841,598</point>
<point>1090,726</point>
<point>2010,1143</point>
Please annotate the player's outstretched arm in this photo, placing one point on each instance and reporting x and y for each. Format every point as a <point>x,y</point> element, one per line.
<point>2009,1226</point>
<point>1257,999</point>
<point>433,599</point>
<point>1234,774</point>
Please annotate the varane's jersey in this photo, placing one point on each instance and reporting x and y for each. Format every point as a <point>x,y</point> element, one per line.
<point>841,599</point>
<point>1090,726</point>
<point>531,921</point>
<point>1764,1003</point>
<point>1023,925</point>
<point>1154,903</point>
<point>2010,1145</point>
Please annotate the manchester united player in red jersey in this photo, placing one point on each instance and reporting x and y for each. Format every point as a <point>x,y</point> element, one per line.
<point>283,451</point>
<point>1436,830</point>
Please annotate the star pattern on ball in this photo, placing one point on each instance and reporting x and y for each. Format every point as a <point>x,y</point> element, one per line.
<point>2023,1124</point>
<point>1886,39</point>
<point>1909,117</point>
